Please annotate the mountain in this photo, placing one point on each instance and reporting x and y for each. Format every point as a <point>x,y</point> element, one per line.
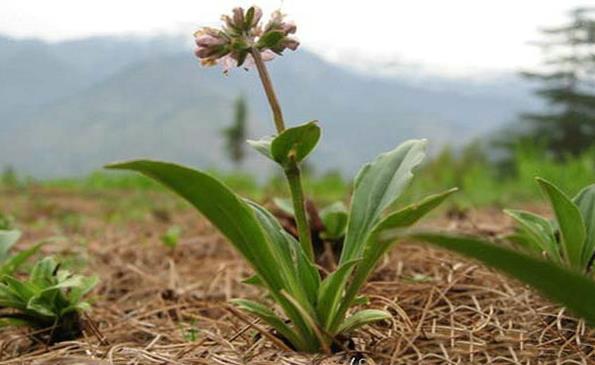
<point>70,107</point>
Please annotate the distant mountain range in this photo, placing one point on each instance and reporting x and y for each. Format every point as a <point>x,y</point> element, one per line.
<point>68,108</point>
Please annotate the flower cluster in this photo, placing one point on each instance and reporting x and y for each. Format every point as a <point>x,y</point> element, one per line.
<point>232,44</point>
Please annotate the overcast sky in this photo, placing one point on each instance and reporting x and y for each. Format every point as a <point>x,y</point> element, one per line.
<point>451,37</point>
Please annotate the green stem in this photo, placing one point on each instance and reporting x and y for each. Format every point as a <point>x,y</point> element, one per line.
<point>294,179</point>
<point>292,173</point>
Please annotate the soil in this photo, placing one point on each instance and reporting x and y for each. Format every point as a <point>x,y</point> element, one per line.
<point>158,305</point>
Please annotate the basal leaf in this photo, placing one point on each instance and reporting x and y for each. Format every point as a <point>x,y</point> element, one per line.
<point>331,290</point>
<point>572,227</point>
<point>271,319</point>
<point>363,318</point>
<point>567,287</point>
<point>297,142</point>
<point>376,246</point>
<point>377,185</point>
<point>228,212</point>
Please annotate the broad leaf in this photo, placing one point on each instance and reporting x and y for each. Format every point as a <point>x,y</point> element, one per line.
<point>296,143</point>
<point>572,227</point>
<point>228,212</point>
<point>585,201</point>
<point>564,286</point>
<point>377,185</point>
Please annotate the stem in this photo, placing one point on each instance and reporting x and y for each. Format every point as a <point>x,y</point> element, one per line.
<point>267,84</point>
<point>292,172</point>
<point>299,206</point>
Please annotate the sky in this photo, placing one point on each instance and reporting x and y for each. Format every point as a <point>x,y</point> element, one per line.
<point>456,37</point>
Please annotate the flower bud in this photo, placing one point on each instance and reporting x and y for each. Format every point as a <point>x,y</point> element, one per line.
<point>231,45</point>
<point>255,17</point>
<point>238,17</point>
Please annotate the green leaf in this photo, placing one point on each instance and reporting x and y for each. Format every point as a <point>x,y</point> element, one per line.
<point>7,240</point>
<point>561,285</point>
<point>363,318</point>
<point>263,146</point>
<point>572,227</point>
<point>228,212</point>
<point>296,143</point>
<point>377,186</point>
<point>271,319</point>
<point>376,246</point>
<point>334,217</point>
<point>585,201</point>
<point>331,290</point>
<point>537,232</point>
<point>255,281</point>
<point>234,218</point>
<point>14,262</point>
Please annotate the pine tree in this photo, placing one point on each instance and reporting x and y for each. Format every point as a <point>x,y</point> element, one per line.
<point>568,85</point>
<point>235,135</point>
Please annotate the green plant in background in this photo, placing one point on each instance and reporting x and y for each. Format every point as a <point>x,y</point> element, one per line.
<point>11,263</point>
<point>49,301</point>
<point>556,257</point>
<point>316,311</point>
<point>171,237</point>
<point>569,239</point>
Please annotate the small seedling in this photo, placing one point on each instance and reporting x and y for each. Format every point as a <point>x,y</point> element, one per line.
<point>316,312</point>
<point>49,301</point>
<point>171,237</point>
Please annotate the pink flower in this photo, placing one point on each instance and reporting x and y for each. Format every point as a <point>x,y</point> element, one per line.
<point>233,44</point>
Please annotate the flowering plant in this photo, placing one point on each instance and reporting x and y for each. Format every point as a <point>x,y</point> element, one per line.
<point>317,309</point>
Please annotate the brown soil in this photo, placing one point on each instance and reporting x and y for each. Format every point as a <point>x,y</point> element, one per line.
<point>156,305</point>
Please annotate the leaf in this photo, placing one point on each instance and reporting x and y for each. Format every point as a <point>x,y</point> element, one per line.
<point>363,318</point>
<point>376,246</point>
<point>538,232</point>
<point>255,281</point>
<point>14,262</point>
<point>233,217</point>
<point>561,285</point>
<point>286,252</point>
<point>585,201</point>
<point>7,240</point>
<point>263,146</point>
<point>331,290</point>
<point>296,142</point>
<point>377,186</point>
<point>271,319</point>
<point>334,217</point>
<point>572,227</point>
<point>228,212</point>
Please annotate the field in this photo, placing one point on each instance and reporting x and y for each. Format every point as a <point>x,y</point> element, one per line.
<point>158,304</point>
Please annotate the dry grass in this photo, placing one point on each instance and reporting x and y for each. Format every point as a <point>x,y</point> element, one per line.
<point>160,306</point>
